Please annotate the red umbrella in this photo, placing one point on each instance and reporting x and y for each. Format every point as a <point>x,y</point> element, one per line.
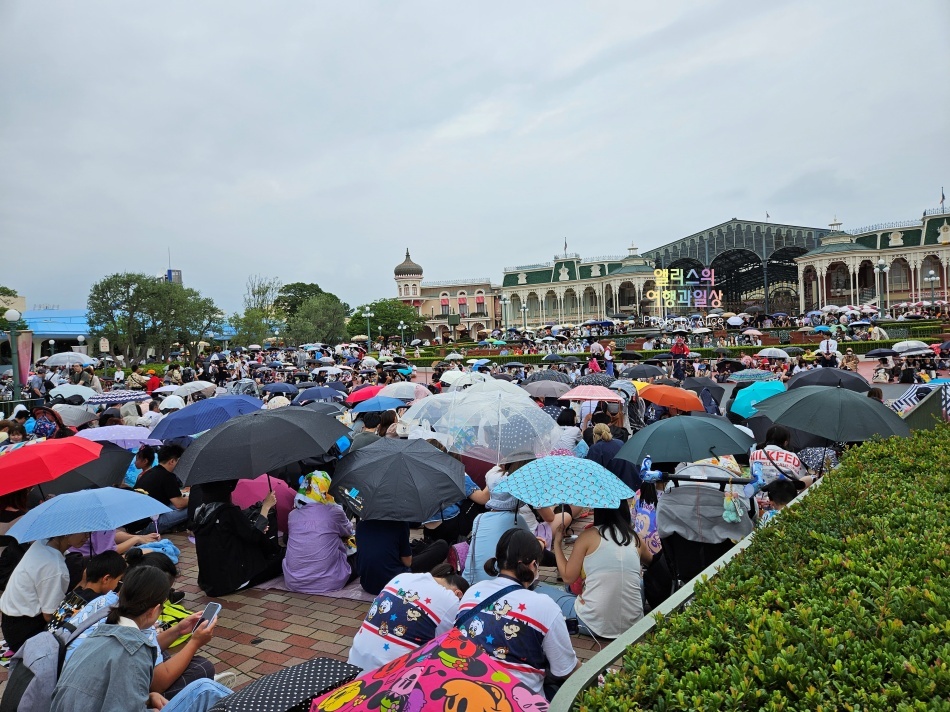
<point>45,461</point>
<point>363,394</point>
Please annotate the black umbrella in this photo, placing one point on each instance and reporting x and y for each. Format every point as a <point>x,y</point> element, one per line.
<point>644,370</point>
<point>595,379</point>
<point>837,414</point>
<point>830,377</point>
<point>759,425</point>
<point>398,480</point>
<point>571,359</point>
<point>629,356</point>
<point>513,364</point>
<point>292,688</point>
<point>324,407</point>
<point>722,351</point>
<point>881,353</point>
<point>794,350</point>
<point>698,383</point>
<point>552,358</point>
<point>549,375</point>
<point>246,446</point>
<point>685,439</point>
<point>503,376</point>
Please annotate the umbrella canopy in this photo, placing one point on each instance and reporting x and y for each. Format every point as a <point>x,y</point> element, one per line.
<point>363,393</point>
<point>324,407</point>
<point>73,463</point>
<point>405,390</point>
<point>255,443</point>
<point>432,408</point>
<point>735,321</point>
<point>466,380</point>
<point>553,480</point>
<point>644,370</point>
<point>752,374</point>
<point>204,415</point>
<point>546,389</point>
<point>116,397</point>
<point>672,397</point>
<point>86,511</point>
<point>291,688</point>
<point>379,404</point>
<point>549,375</point>
<point>454,356</point>
<point>551,358</point>
<point>320,393</point>
<point>595,379</point>
<point>773,352</point>
<point>760,424</point>
<point>838,414</point>
<point>130,437</point>
<point>194,387</point>
<point>629,356</point>
<point>685,440</point>
<point>746,399</point>
<point>285,388</point>
<point>69,390</point>
<point>830,377</point>
<point>794,350</point>
<point>696,384</point>
<point>68,358</point>
<point>498,427</point>
<point>592,393</point>
<point>171,388</point>
<point>492,385</point>
<point>752,332</point>
<point>398,480</point>
<point>74,415</point>
<point>905,346</point>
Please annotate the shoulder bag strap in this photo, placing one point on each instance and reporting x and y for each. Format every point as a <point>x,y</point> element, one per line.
<point>791,477</point>
<point>463,619</point>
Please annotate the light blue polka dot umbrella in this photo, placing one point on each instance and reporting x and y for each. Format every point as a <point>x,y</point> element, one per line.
<point>553,480</point>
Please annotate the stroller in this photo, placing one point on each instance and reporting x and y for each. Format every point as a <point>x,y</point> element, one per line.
<point>690,522</point>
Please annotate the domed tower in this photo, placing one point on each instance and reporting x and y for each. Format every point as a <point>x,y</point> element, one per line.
<point>408,276</point>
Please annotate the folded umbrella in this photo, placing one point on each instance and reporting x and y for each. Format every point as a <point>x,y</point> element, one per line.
<point>685,439</point>
<point>246,446</point>
<point>398,480</point>
<point>130,437</point>
<point>86,511</point>
<point>204,415</point>
<point>292,688</point>
<point>553,480</point>
<point>379,404</point>
<point>830,377</point>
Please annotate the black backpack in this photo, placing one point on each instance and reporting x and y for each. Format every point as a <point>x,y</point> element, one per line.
<point>187,375</point>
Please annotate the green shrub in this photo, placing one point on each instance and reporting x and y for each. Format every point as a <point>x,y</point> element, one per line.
<point>842,604</point>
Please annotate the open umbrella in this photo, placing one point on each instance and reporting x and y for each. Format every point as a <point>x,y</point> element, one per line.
<point>696,384</point>
<point>204,415</point>
<point>291,688</point>
<point>830,377</point>
<point>432,408</point>
<point>746,399</point>
<point>685,439</point>
<point>905,346</point>
<point>78,463</point>
<point>379,404</point>
<point>398,480</point>
<point>251,444</point>
<point>838,414</point>
<point>117,397</point>
<point>68,358</point>
<point>492,385</point>
<point>324,407</point>
<point>320,393</point>
<point>672,397</point>
<point>548,374</point>
<point>629,356</point>
<point>69,390</point>
<point>595,379</point>
<point>130,437</point>
<point>466,380</point>
<point>592,393</point>
<point>759,425</point>
<point>85,511</point>
<point>643,370</point>
<point>881,353</point>
<point>287,389</point>
<point>794,350</point>
<point>752,332</point>
<point>752,374</point>
<point>362,393</point>
<point>553,480</point>
<point>546,389</point>
<point>773,352</point>
<point>405,390</point>
<point>74,415</point>
<point>194,387</point>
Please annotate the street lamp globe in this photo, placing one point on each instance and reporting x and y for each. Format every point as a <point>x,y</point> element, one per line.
<point>52,342</point>
<point>12,315</point>
<point>80,338</point>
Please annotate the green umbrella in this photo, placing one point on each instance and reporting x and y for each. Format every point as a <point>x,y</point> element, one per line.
<point>838,414</point>
<point>685,439</point>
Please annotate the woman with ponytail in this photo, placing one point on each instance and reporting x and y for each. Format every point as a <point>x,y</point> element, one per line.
<point>112,671</point>
<point>523,630</point>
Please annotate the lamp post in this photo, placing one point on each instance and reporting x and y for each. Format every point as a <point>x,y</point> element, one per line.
<point>505,301</point>
<point>881,269</point>
<point>367,314</point>
<point>931,278</point>
<point>402,335</point>
<point>13,316</point>
<point>52,346</point>
<point>524,317</point>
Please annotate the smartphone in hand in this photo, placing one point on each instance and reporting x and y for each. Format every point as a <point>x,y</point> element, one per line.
<point>211,612</point>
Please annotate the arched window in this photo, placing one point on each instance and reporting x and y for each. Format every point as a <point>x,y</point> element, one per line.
<point>463,304</point>
<point>444,302</point>
<point>414,292</point>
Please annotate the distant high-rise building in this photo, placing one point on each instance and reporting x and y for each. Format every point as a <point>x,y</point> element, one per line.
<point>173,276</point>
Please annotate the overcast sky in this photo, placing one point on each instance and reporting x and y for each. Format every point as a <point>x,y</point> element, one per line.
<point>316,141</point>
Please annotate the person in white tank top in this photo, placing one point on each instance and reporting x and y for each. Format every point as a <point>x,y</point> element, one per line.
<point>609,556</point>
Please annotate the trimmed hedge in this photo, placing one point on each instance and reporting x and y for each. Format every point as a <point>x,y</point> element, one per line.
<point>841,604</point>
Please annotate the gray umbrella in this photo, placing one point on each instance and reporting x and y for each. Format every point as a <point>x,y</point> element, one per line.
<point>398,480</point>
<point>595,379</point>
<point>546,389</point>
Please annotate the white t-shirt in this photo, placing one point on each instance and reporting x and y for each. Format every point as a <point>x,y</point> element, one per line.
<point>411,610</point>
<point>37,584</point>
<point>787,461</point>
<point>524,632</point>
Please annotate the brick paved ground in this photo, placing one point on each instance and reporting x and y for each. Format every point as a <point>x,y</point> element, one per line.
<point>260,632</point>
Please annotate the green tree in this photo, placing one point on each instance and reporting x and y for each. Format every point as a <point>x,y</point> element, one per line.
<point>321,318</point>
<point>387,313</point>
<point>7,292</point>
<point>119,309</point>
<point>261,317</point>
<point>291,297</point>
<point>181,315</point>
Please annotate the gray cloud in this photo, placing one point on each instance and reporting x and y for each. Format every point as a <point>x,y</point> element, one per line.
<point>316,141</point>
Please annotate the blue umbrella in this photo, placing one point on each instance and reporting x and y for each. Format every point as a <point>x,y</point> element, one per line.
<point>204,415</point>
<point>319,393</point>
<point>823,328</point>
<point>555,479</point>
<point>287,388</point>
<point>91,510</point>
<point>276,364</point>
<point>745,401</point>
<point>337,386</point>
<point>752,374</point>
<point>378,404</point>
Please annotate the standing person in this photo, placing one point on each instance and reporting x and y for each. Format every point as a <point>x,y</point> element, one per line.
<point>160,483</point>
<point>137,381</point>
<point>112,670</point>
<point>520,628</point>
<point>609,357</point>
<point>36,384</point>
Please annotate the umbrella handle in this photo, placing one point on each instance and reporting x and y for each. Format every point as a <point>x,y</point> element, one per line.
<point>269,488</point>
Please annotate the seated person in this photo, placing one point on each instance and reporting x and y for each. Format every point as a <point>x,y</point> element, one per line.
<point>101,577</point>
<point>383,552</point>
<point>411,610</point>
<point>234,551</point>
<point>113,670</point>
<point>36,587</point>
<point>316,559</point>
<point>780,492</point>
<point>487,530</point>
<point>523,629</point>
<point>160,483</point>
<point>776,459</point>
<point>455,521</point>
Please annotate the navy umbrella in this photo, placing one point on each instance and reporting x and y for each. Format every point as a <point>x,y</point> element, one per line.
<point>204,415</point>
<point>284,388</point>
<point>320,393</point>
<point>830,377</point>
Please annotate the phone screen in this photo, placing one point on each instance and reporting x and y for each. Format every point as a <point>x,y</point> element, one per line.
<point>211,612</point>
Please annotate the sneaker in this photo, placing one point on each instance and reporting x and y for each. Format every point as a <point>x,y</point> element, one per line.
<point>176,597</point>
<point>226,678</point>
